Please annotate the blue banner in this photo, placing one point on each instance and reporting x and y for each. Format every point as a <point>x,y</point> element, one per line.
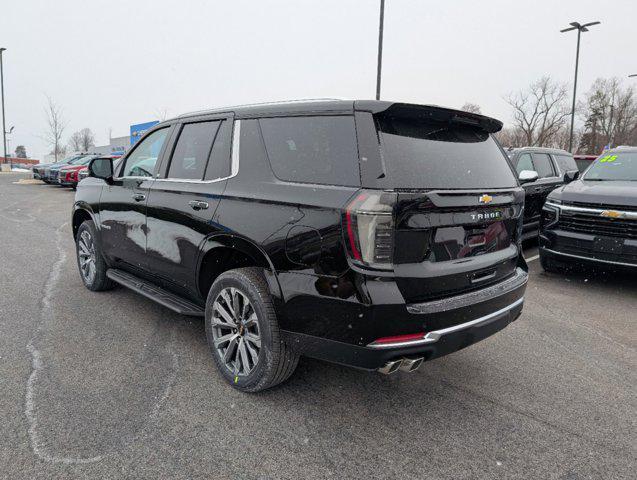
<point>137,131</point>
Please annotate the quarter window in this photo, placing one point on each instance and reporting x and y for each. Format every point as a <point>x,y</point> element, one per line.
<point>312,149</point>
<point>141,162</point>
<point>192,150</point>
<point>566,163</point>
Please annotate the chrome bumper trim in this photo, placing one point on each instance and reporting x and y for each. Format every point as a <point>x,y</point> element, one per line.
<point>435,335</point>
<point>519,278</point>
<point>589,259</point>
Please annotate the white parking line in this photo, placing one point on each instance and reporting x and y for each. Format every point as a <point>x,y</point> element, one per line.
<point>534,257</point>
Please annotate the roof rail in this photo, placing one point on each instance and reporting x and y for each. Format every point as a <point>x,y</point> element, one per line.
<point>259,104</point>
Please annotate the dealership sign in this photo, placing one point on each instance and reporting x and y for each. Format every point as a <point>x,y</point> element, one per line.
<point>138,131</point>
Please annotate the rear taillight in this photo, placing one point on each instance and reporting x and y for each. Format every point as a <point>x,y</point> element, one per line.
<point>368,226</point>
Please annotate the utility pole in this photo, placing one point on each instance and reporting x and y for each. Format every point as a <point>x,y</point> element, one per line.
<point>580,29</point>
<point>380,48</point>
<point>4,127</point>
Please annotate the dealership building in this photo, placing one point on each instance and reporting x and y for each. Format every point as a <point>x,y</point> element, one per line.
<point>116,145</point>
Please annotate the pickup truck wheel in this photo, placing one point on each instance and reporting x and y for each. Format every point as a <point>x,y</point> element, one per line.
<point>90,260</point>
<point>243,332</point>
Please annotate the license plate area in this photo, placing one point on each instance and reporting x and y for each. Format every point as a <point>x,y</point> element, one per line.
<point>608,245</point>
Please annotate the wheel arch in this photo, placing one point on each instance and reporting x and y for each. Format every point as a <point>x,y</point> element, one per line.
<point>81,213</point>
<point>221,253</point>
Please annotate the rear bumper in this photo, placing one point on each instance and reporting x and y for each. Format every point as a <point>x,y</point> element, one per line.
<point>346,332</point>
<point>433,345</point>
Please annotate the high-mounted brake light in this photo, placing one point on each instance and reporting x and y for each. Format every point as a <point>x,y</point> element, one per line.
<point>369,229</point>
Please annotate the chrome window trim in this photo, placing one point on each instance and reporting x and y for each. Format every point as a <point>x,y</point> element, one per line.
<point>590,259</point>
<point>595,211</point>
<point>435,335</point>
<point>234,161</point>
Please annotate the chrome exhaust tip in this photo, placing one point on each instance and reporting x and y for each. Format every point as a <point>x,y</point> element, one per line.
<point>411,364</point>
<point>390,367</point>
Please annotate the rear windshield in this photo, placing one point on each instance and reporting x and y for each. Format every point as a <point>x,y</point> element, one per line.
<point>428,154</point>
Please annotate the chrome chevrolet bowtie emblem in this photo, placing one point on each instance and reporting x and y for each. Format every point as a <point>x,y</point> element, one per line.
<point>611,214</point>
<point>485,198</point>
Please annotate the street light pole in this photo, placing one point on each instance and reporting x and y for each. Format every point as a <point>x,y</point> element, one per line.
<point>580,29</point>
<point>4,128</point>
<point>632,75</point>
<point>380,48</point>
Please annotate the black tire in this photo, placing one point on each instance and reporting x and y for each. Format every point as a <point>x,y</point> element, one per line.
<point>276,361</point>
<point>98,281</point>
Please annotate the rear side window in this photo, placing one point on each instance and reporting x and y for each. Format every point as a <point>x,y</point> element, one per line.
<point>312,149</point>
<point>543,165</point>
<point>566,163</point>
<point>192,150</point>
<point>421,153</point>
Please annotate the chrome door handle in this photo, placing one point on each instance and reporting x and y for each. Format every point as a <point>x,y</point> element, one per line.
<point>198,205</point>
<point>138,197</point>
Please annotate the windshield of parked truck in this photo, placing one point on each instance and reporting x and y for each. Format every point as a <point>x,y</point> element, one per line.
<point>614,166</point>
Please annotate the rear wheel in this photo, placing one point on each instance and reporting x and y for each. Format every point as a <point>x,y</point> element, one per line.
<point>243,332</point>
<point>90,260</point>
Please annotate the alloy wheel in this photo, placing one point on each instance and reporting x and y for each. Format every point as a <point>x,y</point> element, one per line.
<point>86,255</point>
<point>235,331</point>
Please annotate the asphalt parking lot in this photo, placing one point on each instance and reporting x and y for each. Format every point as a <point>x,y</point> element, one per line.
<point>111,385</point>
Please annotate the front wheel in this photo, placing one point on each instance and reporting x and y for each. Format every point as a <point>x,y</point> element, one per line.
<point>90,260</point>
<point>243,332</point>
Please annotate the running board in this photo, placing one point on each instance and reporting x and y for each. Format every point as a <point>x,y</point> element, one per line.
<point>152,291</point>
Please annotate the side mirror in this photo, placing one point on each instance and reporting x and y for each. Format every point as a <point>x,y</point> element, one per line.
<point>527,176</point>
<point>570,176</point>
<point>101,168</point>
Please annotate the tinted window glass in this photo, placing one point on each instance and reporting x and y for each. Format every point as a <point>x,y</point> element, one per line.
<point>312,149</point>
<point>192,150</point>
<point>219,163</point>
<point>566,163</point>
<point>583,164</point>
<point>524,163</point>
<point>543,165</point>
<point>141,162</point>
<point>419,153</point>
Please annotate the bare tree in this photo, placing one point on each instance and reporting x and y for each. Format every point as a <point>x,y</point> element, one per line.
<point>511,137</point>
<point>471,107</point>
<point>540,112</point>
<point>56,126</point>
<point>82,140</point>
<point>610,115</point>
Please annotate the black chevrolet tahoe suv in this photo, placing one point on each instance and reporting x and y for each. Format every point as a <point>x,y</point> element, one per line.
<point>593,221</point>
<point>368,233</point>
<point>540,171</point>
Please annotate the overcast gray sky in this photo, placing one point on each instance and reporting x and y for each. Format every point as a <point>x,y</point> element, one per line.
<point>111,63</point>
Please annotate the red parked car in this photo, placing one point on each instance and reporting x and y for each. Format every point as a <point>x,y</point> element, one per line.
<point>71,175</point>
<point>584,161</point>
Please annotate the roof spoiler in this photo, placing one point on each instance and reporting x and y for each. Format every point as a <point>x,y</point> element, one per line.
<point>430,112</point>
